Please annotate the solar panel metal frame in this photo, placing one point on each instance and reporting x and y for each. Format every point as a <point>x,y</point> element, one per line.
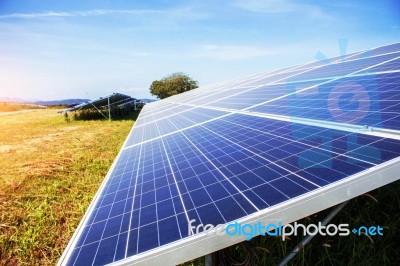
<point>201,244</point>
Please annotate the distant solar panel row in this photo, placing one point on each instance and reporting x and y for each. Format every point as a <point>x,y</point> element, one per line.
<point>228,154</point>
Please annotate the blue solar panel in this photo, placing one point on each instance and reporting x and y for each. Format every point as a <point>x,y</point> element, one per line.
<point>362,100</point>
<point>390,66</point>
<point>391,48</point>
<point>235,154</point>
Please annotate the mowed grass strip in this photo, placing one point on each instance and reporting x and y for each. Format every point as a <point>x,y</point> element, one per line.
<point>50,171</point>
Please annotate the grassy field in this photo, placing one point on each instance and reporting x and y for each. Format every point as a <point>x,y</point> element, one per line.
<point>51,170</point>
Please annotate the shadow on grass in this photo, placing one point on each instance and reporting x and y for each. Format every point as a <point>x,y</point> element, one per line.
<point>379,207</point>
<point>87,115</point>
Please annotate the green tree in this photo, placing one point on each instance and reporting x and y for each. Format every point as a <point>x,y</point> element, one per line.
<point>173,84</point>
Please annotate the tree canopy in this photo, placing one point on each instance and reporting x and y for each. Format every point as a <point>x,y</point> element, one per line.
<point>173,84</point>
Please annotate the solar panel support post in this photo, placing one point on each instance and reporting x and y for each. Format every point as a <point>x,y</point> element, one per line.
<point>208,261</point>
<point>308,238</point>
<point>109,110</point>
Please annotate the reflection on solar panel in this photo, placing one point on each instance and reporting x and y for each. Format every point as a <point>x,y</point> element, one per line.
<point>272,147</point>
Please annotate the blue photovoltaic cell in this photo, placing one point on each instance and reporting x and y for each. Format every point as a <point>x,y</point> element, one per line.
<point>219,156</point>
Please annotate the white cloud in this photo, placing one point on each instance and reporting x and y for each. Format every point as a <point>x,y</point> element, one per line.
<point>87,13</point>
<point>185,13</point>
<point>281,6</point>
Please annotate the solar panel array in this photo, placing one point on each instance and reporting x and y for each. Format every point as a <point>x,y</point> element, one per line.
<point>309,136</point>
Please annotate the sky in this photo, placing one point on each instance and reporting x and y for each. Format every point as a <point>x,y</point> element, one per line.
<point>62,49</point>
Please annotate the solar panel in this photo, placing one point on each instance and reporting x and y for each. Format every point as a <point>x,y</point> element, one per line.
<point>115,99</point>
<point>275,146</point>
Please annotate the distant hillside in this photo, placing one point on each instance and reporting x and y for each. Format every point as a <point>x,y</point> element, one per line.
<point>61,102</point>
<point>14,100</point>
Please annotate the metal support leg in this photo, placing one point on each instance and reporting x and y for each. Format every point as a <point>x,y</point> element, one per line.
<point>307,239</point>
<point>208,260</point>
<point>98,111</point>
<point>109,110</point>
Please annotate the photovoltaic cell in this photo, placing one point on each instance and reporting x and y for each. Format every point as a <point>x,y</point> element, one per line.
<point>241,150</point>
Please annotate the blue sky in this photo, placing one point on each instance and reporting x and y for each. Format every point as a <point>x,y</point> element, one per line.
<point>86,49</point>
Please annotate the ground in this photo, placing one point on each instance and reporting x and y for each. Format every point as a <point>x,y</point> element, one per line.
<point>50,170</point>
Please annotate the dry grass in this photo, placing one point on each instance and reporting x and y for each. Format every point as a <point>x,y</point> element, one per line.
<point>12,107</point>
<point>50,172</point>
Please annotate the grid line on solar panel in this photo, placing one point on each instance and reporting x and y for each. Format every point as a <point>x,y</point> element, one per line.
<point>311,87</point>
